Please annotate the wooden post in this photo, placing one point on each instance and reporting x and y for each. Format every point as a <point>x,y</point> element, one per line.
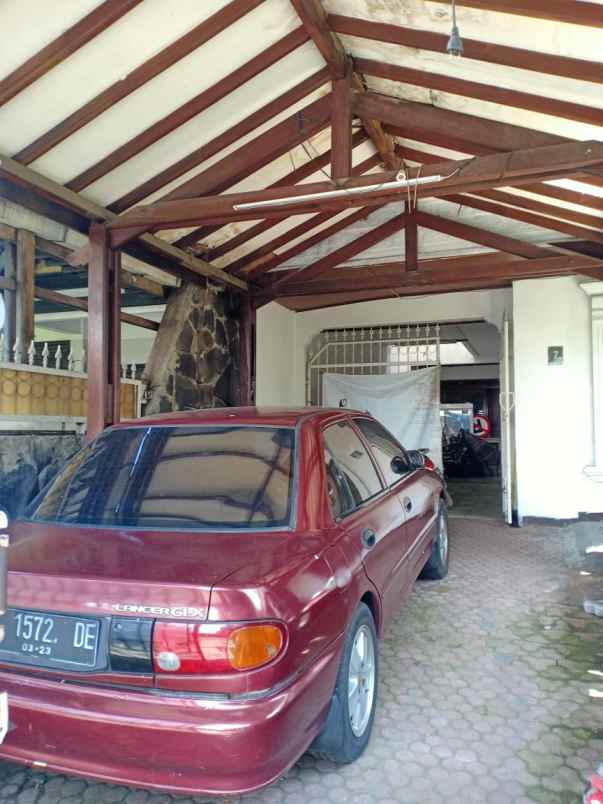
<point>341,127</point>
<point>10,331</point>
<point>247,351</point>
<point>411,246</point>
<point>104,303</point>
<point>25,275</point>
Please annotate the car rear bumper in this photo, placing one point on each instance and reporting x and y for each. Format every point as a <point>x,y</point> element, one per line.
<point>181,744</point>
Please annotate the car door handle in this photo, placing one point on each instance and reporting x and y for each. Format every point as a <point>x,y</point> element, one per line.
<point>407,502</point>
<point>369,538</point>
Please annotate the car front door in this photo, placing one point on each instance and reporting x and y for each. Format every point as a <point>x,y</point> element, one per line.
<point>415,494</point>
<point>370,515</point>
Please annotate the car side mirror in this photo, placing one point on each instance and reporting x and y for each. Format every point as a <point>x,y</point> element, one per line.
<point>417,458</point>
<point>400,465</point>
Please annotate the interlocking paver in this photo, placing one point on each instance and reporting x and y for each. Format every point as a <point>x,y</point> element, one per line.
<point>484,692</point>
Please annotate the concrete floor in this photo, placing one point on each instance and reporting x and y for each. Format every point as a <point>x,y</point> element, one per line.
<point>487,691</point>
<point>476,499</point>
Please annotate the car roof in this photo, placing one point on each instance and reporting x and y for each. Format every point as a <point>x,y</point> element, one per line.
<point>282,417</point>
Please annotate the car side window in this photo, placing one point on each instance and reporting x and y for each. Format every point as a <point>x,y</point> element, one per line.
<point>353,463</point>
<point>383,446</point>
<point>338,493</point>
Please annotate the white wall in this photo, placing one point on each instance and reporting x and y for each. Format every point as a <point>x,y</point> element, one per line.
<point>283,336</point>
<point>275,356</point>
<point>553,407</point>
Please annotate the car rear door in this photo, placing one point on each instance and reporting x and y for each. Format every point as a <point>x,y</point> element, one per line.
<point>414,492</point>
<point>371,515</point>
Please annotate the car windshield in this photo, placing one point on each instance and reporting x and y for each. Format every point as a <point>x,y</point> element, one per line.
<point>176,477</point>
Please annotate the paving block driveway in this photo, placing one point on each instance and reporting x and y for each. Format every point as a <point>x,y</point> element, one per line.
<point>487,691</point>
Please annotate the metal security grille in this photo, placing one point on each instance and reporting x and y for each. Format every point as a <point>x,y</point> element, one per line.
<point>369,350</point>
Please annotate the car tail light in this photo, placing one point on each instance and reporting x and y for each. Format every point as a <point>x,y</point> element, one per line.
<point>429,464</point>
<point>199,648</point>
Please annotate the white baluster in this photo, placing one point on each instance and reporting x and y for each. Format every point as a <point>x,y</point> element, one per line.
<point>31,353</point>
<point>124,370</point>
<point>1,345</point>
<point>84,358</point>
<point>17,351</point>
<point>57,357</point>
<point>45,353</point>
<point>133,371</point>
<point>71,360</point>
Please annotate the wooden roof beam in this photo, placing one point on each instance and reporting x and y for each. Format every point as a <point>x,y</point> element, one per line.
<point>81,304</point>
<point>575,13</point>
<point>139,76</point>
<point>64,46</point>
<point>533,60</point>
<point>506,169</point>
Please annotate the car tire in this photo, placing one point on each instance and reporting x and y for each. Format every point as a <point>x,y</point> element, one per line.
<point>350,719</point>
<point>437,565</point>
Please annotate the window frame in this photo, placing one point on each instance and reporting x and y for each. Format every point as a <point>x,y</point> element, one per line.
<point>293,506</point>
<point>365,440</point>
<point>369,500</point>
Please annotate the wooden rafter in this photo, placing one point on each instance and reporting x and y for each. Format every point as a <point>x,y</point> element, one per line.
<point>568,11</point>
<point>490,93</point>
<point>139,76</point>
<point>64,46</point>
<point>188,110</point>
<point>506,169</point>
<point>488,52</point>
<point>314,19</point>
<point>214,146</point>
<point>81,304</point>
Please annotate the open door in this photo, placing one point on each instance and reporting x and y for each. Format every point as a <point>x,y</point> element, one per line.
<point>507,402</point>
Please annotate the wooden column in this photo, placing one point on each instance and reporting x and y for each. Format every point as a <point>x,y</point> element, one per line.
<point>411,246</point>
<point>10,301</point>
<point>247,351</point>
<point>25,275</point>
<point>103,333</point>
<point>341,127</point>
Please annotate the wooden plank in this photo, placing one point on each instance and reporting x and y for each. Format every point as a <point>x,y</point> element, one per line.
<point>340,255</point>
<point>63,46</point>
<point>314,19</point>
<point>58,199</point>
<point>411,239</point>
<point>98,414</point>
<point>506,169</point>
<point>26,270</point>
<point>82,304</point>
<point>188,110</point>
<point>567,11</point>
<point>463,231</point>
<point>489,93</point>
<point>546,63</point>
<point>341,127</point>
<point>139,76</point>
<point>199,155</point>
<point>246,351</point>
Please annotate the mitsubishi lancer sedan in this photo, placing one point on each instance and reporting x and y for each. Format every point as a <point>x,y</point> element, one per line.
<point>197,598</point>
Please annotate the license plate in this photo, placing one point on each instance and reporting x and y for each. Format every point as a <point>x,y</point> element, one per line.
<point>43,639</point>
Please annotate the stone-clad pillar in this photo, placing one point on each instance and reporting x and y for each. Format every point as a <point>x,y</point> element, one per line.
<point>595,291</point>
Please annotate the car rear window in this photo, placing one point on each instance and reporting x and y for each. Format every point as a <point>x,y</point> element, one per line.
<point>177,477</point>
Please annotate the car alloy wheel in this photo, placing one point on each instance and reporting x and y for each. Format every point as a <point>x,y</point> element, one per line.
<point>443,537</point>
<point>361,680</point>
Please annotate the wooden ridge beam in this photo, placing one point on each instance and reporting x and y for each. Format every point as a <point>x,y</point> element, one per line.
<point>188,110</point>
<point>357,246</point>
<point>81,304</point>
<point>134,80</point>
<point>258,153</point>
<point>533,60</point>
<point>64,46</point>
<point>151,249</point>
<point>211,148</point>
<point>575,13</point>
<point>505,169</point>
<point>489,93</point>
<point>314,19</point>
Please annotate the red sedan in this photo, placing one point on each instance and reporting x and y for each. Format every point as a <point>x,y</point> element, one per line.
<point>197,597</point>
